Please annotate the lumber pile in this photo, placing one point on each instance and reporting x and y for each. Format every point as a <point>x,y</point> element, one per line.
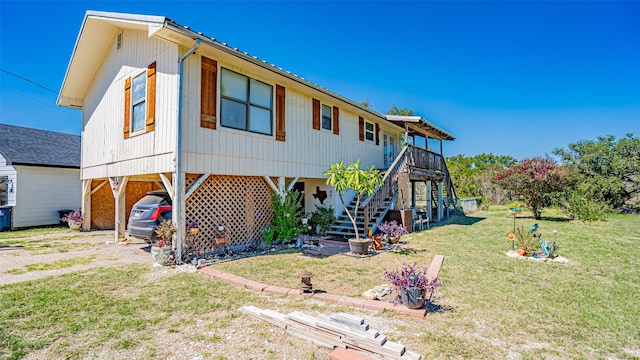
<point>338,330</point>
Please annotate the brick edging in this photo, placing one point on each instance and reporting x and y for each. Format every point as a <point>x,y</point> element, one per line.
<point>322,296</point>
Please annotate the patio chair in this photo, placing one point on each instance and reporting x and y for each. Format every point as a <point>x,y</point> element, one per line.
<point>419,219</point>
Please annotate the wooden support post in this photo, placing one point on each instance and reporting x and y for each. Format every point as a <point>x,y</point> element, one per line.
<point>281,186</point>
<point>118,189</point>
<point>403,190</point>
<point>413,194</point>
<point>429,201</point>
<point>440,199</point>
<point>86,204</point>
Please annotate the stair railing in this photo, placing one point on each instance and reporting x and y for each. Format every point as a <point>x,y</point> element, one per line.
<point>375,201</point>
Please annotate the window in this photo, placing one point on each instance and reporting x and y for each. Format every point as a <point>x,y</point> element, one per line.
<point>119,42</point>
<point>138,101</point>
<point>369,131</point>
<point>245,103</point>
<point>3,190</point>
<point>326,117</point>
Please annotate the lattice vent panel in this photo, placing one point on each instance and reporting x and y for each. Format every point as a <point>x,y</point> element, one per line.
<point>242,204</point>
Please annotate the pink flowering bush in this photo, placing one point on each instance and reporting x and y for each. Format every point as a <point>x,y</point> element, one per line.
<point>537,182</point>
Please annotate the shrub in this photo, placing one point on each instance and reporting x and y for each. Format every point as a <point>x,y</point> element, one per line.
<point>287,214</point>
<point>585,208</point>
<point>322,218</point>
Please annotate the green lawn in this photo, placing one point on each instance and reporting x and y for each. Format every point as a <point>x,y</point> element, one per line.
<point>490,306</point>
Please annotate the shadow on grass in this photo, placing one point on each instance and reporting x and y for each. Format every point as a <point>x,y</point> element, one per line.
<point>456,220</point>
<point>546,218</point>
<point>436,308</point>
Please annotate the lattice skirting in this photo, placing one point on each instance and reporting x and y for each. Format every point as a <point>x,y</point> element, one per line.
<point>242,204</point>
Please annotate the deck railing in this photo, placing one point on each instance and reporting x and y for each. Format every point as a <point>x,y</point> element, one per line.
<point>375,201</point>
<point>410,156</point>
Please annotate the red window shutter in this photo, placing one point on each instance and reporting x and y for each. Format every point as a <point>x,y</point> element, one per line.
<point>280,128</point>
<point>127,107</point>
<point>208,93</point>
<point>336,120</point>
<point>151,97</point>
<point>361,125</point>
<point>316,114</point>
<point>377,134</point>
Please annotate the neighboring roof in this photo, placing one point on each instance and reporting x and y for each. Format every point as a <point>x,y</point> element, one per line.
<point>25,146</point>
<point>422,124</point>
<point>88,54</point>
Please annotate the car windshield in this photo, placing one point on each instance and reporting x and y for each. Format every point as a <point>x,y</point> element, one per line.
<point>152,199</point>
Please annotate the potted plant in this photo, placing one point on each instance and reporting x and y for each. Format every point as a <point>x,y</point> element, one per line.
<point>363,182</point>
<point>411,284</point>
<point>392,230</point>
<point>192,228</point>
<point>74,219</point>
<point>161,249</point>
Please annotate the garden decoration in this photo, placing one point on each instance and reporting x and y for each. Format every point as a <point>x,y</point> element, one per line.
<point>515,209</point>
<point>531,243</point>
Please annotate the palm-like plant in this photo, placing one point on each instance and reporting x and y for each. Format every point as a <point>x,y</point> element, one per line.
<point>350,177</point>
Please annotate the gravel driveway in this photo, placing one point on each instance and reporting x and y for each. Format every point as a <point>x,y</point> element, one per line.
<point>65,252</point>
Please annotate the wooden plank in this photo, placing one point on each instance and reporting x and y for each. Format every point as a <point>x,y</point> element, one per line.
<point>410,355</point>
<point>348,319</point>
<point>393,348</point>
<point>326,323</point>
<point>434,268</point>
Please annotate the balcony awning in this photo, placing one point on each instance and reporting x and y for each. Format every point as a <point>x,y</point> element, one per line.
<point>419,126</point>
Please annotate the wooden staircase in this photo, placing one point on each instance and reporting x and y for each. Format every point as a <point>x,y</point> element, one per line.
<point>411,160</point>
<point>342,227</point>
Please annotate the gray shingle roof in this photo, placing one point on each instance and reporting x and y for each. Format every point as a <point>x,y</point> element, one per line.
<point>26,146</point>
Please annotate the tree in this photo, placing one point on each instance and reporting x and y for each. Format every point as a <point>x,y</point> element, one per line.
<point>366,103</point>
<point>606,169</point>
<point>396,111</point>
<point>363,181</point>
<point>472,175</point>
<point>538,182</point>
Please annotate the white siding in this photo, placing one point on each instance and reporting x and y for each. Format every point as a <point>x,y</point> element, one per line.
<point>105,152</point>
<point>9,172</point>
<point>305,153</point>
<point>42,191</point>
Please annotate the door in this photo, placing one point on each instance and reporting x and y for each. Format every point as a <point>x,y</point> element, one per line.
<point>389,144</point>
<point>299,187</point>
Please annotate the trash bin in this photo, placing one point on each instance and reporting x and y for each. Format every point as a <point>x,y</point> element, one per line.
<point>5,218</point>
<point>63,213</point>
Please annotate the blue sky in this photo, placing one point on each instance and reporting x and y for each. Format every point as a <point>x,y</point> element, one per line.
<point>510,78</point>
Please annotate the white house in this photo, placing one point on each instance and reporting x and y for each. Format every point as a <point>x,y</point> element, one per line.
<point>167,107</point>
<point>39,174</point>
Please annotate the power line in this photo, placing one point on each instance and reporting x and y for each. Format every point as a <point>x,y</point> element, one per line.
<point>28,80</point>
<point>43,103</point>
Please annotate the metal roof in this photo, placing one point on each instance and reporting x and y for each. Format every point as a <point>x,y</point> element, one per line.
<point>25,146</point>
<point>155,23</point>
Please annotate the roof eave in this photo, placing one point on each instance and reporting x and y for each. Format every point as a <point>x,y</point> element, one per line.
<point>67,100</point>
